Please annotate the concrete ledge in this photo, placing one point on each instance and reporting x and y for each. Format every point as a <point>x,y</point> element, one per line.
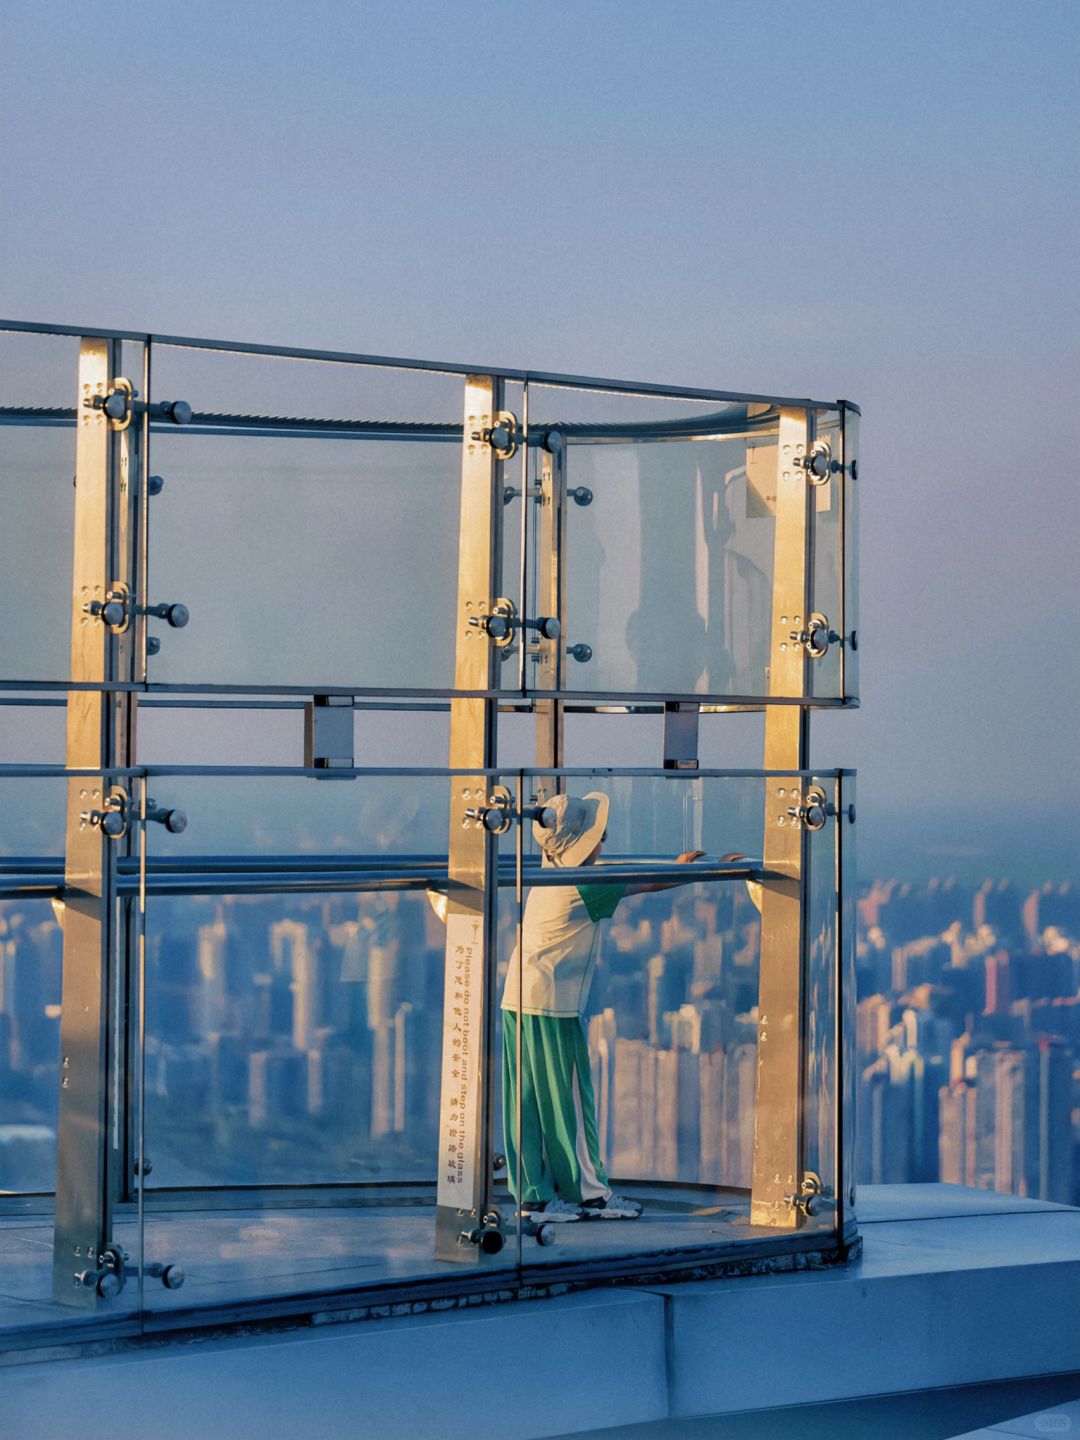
<point>954,1288</point>
<point>933,1302</point>
<point>508,1372</point>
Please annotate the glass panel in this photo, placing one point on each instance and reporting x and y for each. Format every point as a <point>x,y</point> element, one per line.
<point>309,520</point>
<point>37,469</point>
<point>293,1034</point>
<point>669,562</point>
<point>663,1038</point>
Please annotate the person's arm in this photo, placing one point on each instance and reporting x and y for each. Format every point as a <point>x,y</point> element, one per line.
<point>684,859</point>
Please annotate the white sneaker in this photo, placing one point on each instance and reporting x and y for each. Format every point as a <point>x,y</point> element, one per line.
<point>551,1211</point>
<point>615,1207</point>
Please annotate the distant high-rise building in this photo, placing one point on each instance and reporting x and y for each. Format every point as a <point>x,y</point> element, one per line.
<point>1055,1121</point>
<point>998,986</point>
<point>1015,1123</point>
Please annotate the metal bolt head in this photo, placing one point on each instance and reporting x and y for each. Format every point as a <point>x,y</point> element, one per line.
<point>178,616</point>
<point>113,824</point>
<point>175,822</point>
<point>112,612</point>
<point>109,1285</point>
<point>491,1241</point>
<point>500,437</point>
<point>115,405</point>
<point>549,627</point>
<point>180,412</point>
<point>155,485</point>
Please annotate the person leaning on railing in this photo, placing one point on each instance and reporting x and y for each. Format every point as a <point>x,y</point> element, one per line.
<point>562,1172</point>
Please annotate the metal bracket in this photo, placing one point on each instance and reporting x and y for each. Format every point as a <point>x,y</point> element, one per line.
<point>115,815</point>
<point>499,814</point>
<point>502,435</point>
<point>501,624</point>
<point>811,810</point>
<point>113,1270</point>
<point>818,463</point>
<point>816,637</point>
<point>112,818</point>
<point>329,733</point>
<point>681,734</point>
<point>810,1197</point>
<point>581,494</point>
<point>118,607</point>
<point>122,403</point>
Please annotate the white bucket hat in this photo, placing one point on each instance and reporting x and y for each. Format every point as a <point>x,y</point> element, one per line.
<point>579,824</point>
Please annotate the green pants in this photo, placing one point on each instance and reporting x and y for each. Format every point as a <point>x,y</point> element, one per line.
<point>559,1145</point>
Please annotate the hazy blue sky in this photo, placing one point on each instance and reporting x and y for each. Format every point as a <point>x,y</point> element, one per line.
<point>871,201</point>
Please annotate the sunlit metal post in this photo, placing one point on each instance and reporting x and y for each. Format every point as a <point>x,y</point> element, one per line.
<point>469,1004</point>
<point>779,1118</point>
<point>91,1126</point>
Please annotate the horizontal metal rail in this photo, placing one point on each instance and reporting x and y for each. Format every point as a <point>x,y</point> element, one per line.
<point>729,424</point>
<point>527,772</point>
<point>48,881</point>
<point>587,701</point>
<point>345,357</point>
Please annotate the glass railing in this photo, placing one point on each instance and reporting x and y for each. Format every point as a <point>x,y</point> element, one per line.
<point>287,1020</point>
<point>270,1036</point>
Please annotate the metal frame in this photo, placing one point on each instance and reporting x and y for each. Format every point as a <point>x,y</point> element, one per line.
<point>104,883</point>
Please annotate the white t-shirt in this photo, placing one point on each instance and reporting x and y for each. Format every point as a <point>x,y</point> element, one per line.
<point>561,942</point>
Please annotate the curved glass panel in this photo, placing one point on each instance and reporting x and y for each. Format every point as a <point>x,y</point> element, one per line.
<point>671,542</point>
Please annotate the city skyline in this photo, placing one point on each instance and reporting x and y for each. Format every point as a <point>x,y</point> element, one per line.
<point>295,1039</point>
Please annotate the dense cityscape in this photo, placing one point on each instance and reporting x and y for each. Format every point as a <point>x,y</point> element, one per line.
<point>295,1040</point>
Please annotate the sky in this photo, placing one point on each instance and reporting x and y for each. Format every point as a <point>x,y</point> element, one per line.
<point>873,202</point>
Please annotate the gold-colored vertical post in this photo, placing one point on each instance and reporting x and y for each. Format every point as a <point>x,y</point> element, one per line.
<point>89,1137</point>
<point>778,1108</point>
<point>469,1010</point>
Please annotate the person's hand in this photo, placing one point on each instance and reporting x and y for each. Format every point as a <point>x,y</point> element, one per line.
<point>733,856</point>
<point>687,856</point>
